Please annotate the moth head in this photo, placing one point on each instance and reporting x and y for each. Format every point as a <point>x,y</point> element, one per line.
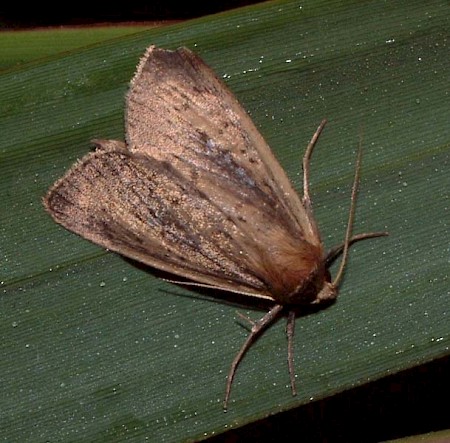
<point>315,289</point>
<point>328,293</point>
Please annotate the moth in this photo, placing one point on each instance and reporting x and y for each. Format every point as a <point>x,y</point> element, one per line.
<point>196,191</point>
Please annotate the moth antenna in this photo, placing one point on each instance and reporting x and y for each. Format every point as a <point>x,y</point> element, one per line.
<point>351,217</point>
<point>307,159</point>
<point>257,328</point>
<point>219,288</point>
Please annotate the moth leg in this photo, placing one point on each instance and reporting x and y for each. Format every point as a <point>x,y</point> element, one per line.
<point>257,328</point>
<point>336,251</point>
<point>290,329</point>
<point>306,159</point>
<point>248,319</point>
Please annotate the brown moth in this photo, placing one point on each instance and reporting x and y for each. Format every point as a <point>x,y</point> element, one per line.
<point>196,191</point>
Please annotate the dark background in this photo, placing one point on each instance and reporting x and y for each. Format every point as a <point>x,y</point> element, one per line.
<point>408,403</point>
<point>37,14</point>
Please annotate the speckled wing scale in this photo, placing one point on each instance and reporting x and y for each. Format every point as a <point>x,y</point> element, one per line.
<point>196,191</point>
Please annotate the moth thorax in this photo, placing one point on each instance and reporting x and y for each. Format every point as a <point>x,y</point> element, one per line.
<point>294,272</point>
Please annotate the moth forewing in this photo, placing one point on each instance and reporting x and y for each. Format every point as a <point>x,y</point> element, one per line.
<point>177,105</point>
<point>196,191</point>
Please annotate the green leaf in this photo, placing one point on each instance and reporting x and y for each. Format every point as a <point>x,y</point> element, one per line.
<point>24,46</point>
<point>433,437</point>
<point>95,348</point>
